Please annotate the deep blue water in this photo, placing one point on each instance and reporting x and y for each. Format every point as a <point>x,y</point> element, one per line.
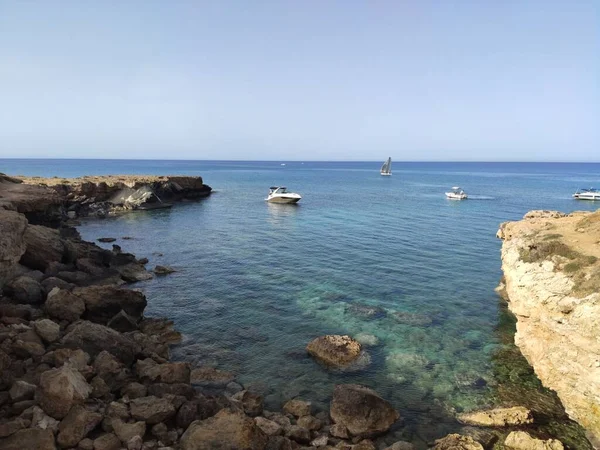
<point>256,282</point>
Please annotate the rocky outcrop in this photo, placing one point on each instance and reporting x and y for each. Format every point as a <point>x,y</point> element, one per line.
<point>520,440</point>
<point>552,280</point>
<point>361,410</point>
<point>103,195</point>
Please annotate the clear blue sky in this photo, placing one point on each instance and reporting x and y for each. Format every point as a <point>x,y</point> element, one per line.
<point>301,80</point>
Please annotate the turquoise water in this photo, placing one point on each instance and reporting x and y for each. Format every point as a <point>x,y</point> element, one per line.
<point>386,258</point>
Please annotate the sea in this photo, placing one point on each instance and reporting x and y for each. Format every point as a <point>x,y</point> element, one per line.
<point>387,260</point>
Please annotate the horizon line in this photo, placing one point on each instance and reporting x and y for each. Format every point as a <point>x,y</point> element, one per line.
<point>308,160</point>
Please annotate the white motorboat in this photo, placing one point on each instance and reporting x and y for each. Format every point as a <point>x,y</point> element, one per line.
<point>456,194</point>
<point>279,194</point>
<point>587,194</point>
<point>386,169</point>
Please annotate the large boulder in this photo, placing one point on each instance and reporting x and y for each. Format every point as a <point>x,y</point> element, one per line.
<point>151,409</point>
<point>60,389</point>
<point>334,350</point>
<point>30,438</point>
<point>63,305</point>
<point>44,245</point>
<point>12,242</point>
<point>520,440</point>
<point>148,369</point>
<point>76,426</point>
<point>227,429</point>
<point>499,417</point>
<point>103,302</point>
<point>24,289</point>
<point>361,410</point>
<point>93,338</point>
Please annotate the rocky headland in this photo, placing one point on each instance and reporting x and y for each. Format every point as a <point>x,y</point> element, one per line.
<point>82,367</point>
<point>551,265</point>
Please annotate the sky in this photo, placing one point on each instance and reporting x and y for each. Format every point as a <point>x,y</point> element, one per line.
<point>418,80</point>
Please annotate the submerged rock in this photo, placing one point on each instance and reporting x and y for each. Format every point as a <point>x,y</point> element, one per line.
<point>499,417</point>
<point>163,270</point>
<point>361,410</point>
<point>335,350</point>
<point>457,442</point>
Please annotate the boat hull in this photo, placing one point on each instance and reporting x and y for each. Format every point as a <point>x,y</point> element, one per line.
<point>386,174</point>
<point>591,197</point>
<point>284,199</point>
<point>452,196</point>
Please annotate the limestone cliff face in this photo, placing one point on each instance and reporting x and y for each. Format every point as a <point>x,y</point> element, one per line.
<point>551,264</point>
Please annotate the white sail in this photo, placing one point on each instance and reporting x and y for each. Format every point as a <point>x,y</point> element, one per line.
<point>386,168</point>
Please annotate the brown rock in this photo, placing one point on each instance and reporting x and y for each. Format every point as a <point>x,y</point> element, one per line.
<point>24,289</point>
<point>76,426</point>
<point>457,442</point>
<point>162,389</point>
<point>151,409</point>
<point>107,441</point>
<point>298,407</point>
<point>163,270</point>
<point>361,410</point>
<point>310,423</point>
<point>43,421</point>
<point>11,427</point>
<point>164,373</point>
<point>334,350</point>
<point>48,330</point>
<point>520,440</point>
<point>44,246</point>
<point>93,338</point>
<point>126,431</point>
<point>122,322</point>
<point>401,445</point>
<point>31,438</point>
<point>251,403</point>
<point>210,376</point>
<point>339,431</point>
<point>186,414</point>
<point>60,389</point>
<point>12,242</point>
<point>103,302</point>
<point>298,434</point>
<point>21,390</point>
<point>268,427</point>
<point>134,390</point>
<point>63,305</point>
<point>499,417</point>
<point>228,429</point>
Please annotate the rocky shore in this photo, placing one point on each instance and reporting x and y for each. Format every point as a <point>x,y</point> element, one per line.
<point>82,367</point>
<point>98,196</point>
<point>551,265</point>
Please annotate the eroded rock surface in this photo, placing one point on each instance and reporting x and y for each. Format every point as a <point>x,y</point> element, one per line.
<point>552,278</point>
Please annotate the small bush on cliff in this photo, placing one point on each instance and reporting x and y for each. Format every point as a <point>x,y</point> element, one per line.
<point>546,249</point>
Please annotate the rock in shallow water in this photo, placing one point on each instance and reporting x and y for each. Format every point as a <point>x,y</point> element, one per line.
<point>499,417</point>
<point>361,410</point>
<point>334,350</point>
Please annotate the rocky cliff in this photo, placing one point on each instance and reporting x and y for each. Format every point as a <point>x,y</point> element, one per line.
<point>551,264</point>
<point>103,195</point>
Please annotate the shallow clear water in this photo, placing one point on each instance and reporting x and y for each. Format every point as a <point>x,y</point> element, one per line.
<point>386,257</point>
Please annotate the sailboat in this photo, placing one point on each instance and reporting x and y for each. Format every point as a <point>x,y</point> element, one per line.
<point>386,169</point>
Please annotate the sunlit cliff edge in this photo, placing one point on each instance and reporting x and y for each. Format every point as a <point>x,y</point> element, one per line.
<point>551,265</point>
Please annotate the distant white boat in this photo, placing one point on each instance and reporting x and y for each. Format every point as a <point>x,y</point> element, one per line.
<point>456,194</point>
<point>283,164</point>
<point>279,194</point>
<point>587,194</point>
<point>386,169</point>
